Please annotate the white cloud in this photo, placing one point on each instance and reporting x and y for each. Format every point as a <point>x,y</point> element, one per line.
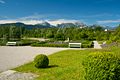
<point>22,21</point>
<point>33,22</point>
<point>37,16</point>
<point>1,1</point>
<point>108,21</point>
<point>33,17</point>
<point>59,21</point>
<point>36,19</point>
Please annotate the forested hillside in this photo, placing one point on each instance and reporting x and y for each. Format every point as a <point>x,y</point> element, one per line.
<point>74,33</point>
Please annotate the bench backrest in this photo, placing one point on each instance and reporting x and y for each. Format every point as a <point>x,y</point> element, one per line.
<point>75,45</point>
<point>11,43</point>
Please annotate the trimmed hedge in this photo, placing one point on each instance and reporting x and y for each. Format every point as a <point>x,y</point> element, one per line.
<point>41,61</point>
<point>88,45</point>
<point>49,45</point>
<point>2,43</point>
<point>102,66</point>
<point>85,44</point>
<point>26,42</point>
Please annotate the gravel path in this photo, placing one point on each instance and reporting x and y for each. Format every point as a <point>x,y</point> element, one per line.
<point>14,75</point>
<point>11,57</point>
<point>96,45</point>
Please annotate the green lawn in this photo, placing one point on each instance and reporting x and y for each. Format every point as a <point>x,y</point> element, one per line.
<point>64,65</point>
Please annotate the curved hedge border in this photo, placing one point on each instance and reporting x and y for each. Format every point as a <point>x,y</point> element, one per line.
<point>49,45</point>
<point>102,66</point>
<point>88,45</point>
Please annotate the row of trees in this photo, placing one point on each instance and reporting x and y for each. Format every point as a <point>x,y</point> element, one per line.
<point>73,33</point>
<point>11,33</point>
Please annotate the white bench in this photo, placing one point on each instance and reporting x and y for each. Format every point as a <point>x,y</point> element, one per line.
<point>75,45</point>
<point>11,43</point>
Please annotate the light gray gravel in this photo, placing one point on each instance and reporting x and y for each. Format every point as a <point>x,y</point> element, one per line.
<point>13,75</point>
<point>97,45</point>
<point>11,57</point>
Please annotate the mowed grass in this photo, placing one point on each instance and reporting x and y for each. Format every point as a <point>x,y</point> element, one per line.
<point>64,65</point>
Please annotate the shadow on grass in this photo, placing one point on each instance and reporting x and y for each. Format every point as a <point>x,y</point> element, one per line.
<point>50,66</point>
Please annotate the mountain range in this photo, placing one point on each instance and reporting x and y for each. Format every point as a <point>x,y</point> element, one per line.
<point>44,25</point>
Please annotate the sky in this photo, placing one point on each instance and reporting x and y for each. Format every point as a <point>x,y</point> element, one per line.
<point>102,12</point>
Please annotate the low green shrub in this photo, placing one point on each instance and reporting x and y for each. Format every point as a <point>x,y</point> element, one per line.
<point>102,66</point>
<point>101,42</point>
<point>85,42</point>
<point>41,61</point>
<point>27,42</point>
<point>88,45</point>
<point>49,45</point>
<point>85,45</point>
<point>2,43</point>
<point>109,42</point>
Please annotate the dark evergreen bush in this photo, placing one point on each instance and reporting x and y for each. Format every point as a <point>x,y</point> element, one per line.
<point>102,66</point>
<point>41,61</point>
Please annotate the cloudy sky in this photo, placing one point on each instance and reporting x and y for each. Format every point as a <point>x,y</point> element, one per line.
<point>104,12</point>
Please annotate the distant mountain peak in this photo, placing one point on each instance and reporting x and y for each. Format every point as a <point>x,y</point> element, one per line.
<point>75,24</point>
<point>47,24</point>
<point>44,23</point>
